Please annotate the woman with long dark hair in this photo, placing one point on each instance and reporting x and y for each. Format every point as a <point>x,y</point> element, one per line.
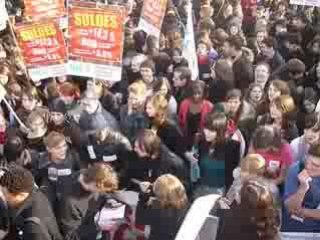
<point>255,218</point>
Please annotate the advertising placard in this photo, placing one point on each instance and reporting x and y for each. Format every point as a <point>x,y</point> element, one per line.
<point>152,15</point>
<point>96,41</point>
<point>38,9</point>
<point>43,49</point>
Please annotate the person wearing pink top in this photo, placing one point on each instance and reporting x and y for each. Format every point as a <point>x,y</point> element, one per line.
<point>278,155</point>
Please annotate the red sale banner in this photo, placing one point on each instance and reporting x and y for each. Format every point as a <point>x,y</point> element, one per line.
<point>96,41</point>
<point>43,49</point>
<point>152,15</point>
<point>37,9</point>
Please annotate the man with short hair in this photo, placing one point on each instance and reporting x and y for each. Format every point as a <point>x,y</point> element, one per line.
<point>151,159</point>
<point>181,79</point>
<point>32,217</point>
<point>302,195</point>
<point>242,68</point>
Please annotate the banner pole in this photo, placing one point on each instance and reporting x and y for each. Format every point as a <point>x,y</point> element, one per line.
<point>24,69</point>
<point>14,113</point>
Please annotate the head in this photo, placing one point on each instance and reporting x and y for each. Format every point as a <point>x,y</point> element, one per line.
<point>235,45</point>
<point>277,88</point>
<point>17,184</point>
<point>5,74</point>
<point>56,146</point>
<point>13,149</point>
<point>15,91</point>
<point>137,95</point>
<point>280,26</point>
<point>262,74</point>
<point>222,70</point>
<point>176,55</point>
<point>310,100</point>
<point>255,93</point>
<point>296,69</point>
<point>266,138</point>
<point>281,107</point>
<point>260,35</point>
<point>162,86</point>
<point>312,163</point>
<point>37,126</point>
<point>203,48</point>
<point>157,109</point>
<point>268,47</point>
<point>69,93</point>
<point>252,165</point>
<point>197,91</point>
<point>147,145</point>
<point>215,128</point>
<point>99,178</point>
<point>170,192</point>
<point>30,98</point>
<point>312,129</point>
<point>181,77</point>
<point>90,101</point>
<point>147,70</point>
<point>97,85</point>
<point>136,62</point>
<point>234,100</point>
<point>258,205</point>
<point>57,110</point>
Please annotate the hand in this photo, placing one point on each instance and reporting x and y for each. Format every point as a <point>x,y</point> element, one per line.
<point>190,156</point>
<point>145,187</point>
<point>304,180</point>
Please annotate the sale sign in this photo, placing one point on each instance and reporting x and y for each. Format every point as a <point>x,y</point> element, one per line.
<point>312,3</point>
<point>37,9</point>
<point>96,41</point>
<point>43,49</point>
<point>152,15</point>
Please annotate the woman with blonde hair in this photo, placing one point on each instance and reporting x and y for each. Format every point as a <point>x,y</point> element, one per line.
<point>166,129</point>
<point>252,165</point>
<point>166,210</point>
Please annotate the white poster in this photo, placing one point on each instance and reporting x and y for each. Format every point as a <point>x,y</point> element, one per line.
<point>189,48</point>
<point>3,15</point>
<point>313,3</point>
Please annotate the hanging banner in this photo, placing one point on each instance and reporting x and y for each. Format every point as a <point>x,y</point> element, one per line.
<point>96,41</point>
<point>153,12</point>
<point>43,49</point>
<point>312,3</point>
<point>189,47</point>
<point>38,9</point>
<point>3,15</point>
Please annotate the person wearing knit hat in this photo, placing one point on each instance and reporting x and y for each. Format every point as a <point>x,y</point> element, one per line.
<point>58,111</point>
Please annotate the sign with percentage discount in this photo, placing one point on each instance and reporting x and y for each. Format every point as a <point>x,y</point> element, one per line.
<point>96,40</point>
<point>43,49</point>
<point>312,3</point>
<point>152,16</point>
<point>39,9</point>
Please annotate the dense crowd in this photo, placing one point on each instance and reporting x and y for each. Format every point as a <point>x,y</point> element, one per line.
<point>99,159</point>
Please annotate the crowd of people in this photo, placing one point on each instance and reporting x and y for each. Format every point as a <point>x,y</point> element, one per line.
<point>99,159</point>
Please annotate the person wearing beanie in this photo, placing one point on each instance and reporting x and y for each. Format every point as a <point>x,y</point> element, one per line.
<point>58,112</point>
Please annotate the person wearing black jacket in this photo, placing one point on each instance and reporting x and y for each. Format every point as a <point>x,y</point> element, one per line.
<point>30,212</point>
<point>79,206</point>
<point>151,159</point>
<point>164,212</point>
<point>54,169</point>
<point>4,217</point>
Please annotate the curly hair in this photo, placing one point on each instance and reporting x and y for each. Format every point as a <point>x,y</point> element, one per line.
<point>17,180</point>
<point>258,203</point>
